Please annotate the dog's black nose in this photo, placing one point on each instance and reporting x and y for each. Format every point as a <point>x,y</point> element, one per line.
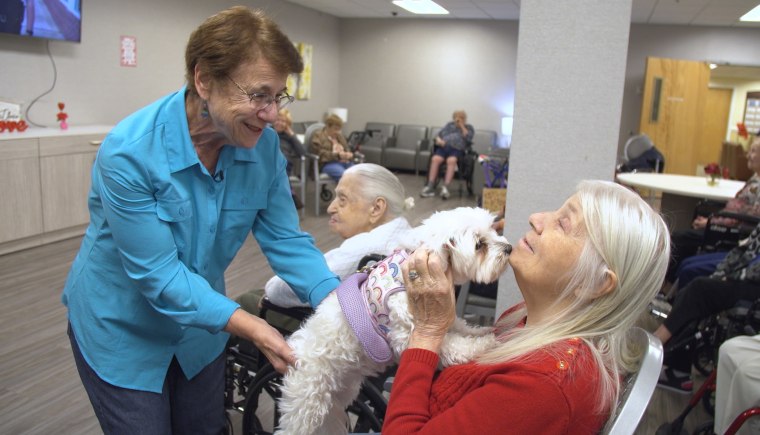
<point>508,249</point>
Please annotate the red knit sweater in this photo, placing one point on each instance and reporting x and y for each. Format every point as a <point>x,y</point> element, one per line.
<point>553,393</point>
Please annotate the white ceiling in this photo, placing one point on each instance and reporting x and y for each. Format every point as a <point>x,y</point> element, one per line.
<point>681,12</point>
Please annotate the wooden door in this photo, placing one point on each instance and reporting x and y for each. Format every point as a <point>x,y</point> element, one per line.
<point>672,113</point>
<point>714,125</point>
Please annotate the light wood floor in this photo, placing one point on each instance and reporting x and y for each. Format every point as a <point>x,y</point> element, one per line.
<point>40,391</point>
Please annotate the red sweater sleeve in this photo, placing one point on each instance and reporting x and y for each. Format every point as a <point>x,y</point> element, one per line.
<point>512,399</point>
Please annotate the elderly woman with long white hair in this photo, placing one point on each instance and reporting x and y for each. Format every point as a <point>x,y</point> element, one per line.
<point>586,272</point>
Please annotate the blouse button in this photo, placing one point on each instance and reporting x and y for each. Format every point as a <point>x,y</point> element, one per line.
<point>562,365</point>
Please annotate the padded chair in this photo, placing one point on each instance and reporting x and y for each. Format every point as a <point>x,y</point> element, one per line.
<point>484,141</point>
<point>374,147</point>
<point>638,387</point>
<point>404,151</point>
<point>471,304</point>
<point>299,127</point>
<point>322,181</point>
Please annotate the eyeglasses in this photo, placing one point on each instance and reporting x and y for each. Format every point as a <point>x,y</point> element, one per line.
<point>261,101</point>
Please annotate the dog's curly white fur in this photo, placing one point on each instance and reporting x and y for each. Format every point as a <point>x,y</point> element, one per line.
<point>332,363</point>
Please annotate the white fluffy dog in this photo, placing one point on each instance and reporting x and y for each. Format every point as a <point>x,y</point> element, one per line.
<point>333,361</point>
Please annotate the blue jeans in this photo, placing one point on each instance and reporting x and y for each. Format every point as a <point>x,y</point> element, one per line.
<point>698,265</point>
<point>194,406</point>
<point>336,169</point>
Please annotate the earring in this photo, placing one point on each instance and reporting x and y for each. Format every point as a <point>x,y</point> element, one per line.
<point>204,109</point>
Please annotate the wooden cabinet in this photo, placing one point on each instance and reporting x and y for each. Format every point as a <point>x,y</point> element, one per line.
<point>65,168</point>
<point>21,209</point>
<point>45,178</point>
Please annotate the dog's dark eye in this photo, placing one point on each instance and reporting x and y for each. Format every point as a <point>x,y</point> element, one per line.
<point>480,244</point>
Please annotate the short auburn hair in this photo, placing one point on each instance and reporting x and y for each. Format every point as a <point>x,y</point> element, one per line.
<point>235,36</point>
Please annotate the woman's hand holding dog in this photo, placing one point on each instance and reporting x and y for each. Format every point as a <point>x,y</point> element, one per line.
<point>431,299</point>
<point>267,339</point>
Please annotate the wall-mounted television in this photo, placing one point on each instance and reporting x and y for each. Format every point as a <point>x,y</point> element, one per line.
<point>49,19</point>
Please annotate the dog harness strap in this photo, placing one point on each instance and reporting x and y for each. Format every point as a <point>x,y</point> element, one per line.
<point>363,299</point>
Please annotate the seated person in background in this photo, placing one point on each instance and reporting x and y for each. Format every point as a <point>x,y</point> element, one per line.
<point>747,201</point>
<point>291,147</point>
<point>331,147</point>
<point>737,277</point>
<point>738,383</point>
<point>367,213</point>
<point>450,144</point>
<point>587,272</point>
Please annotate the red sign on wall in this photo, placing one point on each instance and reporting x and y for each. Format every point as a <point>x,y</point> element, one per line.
<point>128,51</point>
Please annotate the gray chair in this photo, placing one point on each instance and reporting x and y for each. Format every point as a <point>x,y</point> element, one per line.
<point>483,141</point>
<point>374,146</point>
<point>637,389</point>
<point>299,127</point>
<point>404,151</point>
<point>322,181</point>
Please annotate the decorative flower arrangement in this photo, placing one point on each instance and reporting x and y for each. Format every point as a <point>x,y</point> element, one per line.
<point>62,116</point>
<point>713,172</point>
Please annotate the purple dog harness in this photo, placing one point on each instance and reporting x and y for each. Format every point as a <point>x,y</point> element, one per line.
<point>364,300</point>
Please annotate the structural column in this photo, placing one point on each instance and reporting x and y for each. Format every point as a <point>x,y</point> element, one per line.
<point>571,59</point>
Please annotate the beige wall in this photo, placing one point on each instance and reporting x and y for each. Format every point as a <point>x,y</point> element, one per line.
<point>394,70</point>
<point>97,90</point>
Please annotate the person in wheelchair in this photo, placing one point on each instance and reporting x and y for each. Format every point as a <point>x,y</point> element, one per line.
<point>450,145</point>
<point>332,148</point>
<point>367,213</point>
<point>586,272</point>
<point>687,243</point>
<point>738,383</point>
<point>737,277</point>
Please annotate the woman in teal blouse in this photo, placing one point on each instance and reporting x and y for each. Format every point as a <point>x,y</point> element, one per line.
<point>176,189</point>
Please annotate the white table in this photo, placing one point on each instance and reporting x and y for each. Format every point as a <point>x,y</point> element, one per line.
<point>680,193</point>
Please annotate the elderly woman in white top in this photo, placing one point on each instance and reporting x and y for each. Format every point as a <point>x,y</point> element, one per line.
<point>366,212</point>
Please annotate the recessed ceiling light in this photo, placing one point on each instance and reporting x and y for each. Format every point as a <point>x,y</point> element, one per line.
<point>422,7</point>
<point>753,15</point>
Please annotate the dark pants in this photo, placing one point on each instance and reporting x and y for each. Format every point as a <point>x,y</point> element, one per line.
<point>701,298</point>
<point>684,243</point>
<point>194,406</point>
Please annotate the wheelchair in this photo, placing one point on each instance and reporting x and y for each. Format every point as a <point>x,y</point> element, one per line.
<point>464,172</point>
<point>701,339</point>
<point>252,385</point>
<point>704,341</point>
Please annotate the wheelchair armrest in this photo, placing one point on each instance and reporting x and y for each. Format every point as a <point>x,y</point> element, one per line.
<point>298,313</point>
<point>743,217</point>
<point>707,207</point>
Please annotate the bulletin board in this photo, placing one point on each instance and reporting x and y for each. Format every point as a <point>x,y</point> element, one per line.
<point>752,112</point>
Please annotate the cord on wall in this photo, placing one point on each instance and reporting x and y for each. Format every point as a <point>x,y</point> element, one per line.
<point>55,78</point>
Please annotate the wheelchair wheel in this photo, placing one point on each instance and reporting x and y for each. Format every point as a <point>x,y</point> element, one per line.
<point>264,392</point>
<point>368,410</point>
<point>365,414</point>
<point>326,194</point>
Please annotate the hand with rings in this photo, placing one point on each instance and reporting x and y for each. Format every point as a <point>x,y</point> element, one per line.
<point>430,292</point>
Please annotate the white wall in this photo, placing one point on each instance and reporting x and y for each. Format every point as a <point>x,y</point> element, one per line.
<point>97,90</point>
<point>394,70</point>
<point>416,71</point>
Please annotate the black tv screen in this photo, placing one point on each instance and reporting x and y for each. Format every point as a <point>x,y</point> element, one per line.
<point>50,19</point>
